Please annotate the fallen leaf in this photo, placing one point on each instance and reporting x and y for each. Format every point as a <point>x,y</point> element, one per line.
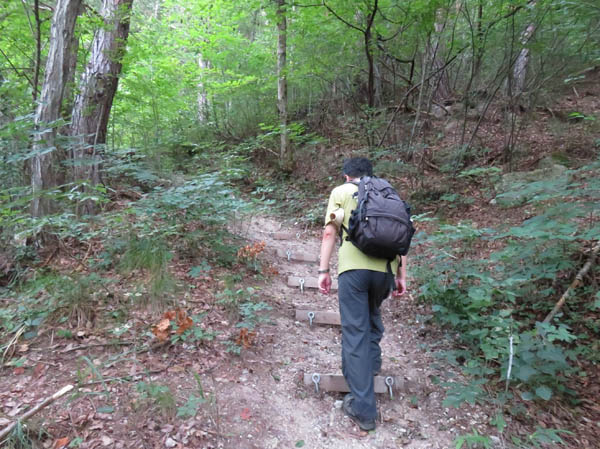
<point>18,370</point>
<point>23,348</point>
<point>38,370</point>
<point>170,315</point>
<point>176,369</point>
<point>245,414</point>
<point>245,338</point>
<point>184,325</point>
<point>161,330</point>
<point>60,443</point>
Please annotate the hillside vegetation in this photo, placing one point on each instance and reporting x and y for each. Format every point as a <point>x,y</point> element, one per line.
<point>138,143</point>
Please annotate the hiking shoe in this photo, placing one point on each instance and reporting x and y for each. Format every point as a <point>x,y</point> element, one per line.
<point>366,425</point>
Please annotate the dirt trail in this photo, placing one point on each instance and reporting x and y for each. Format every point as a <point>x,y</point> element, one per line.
<point>285,413</point>
<point>254,401</point>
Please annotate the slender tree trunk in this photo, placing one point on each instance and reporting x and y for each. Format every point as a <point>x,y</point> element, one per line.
<point>38,49</point>
<point>520,67</point>
<point>45,164</point>
<point>203,106</point>
<point>97,91</point>
<point>3,105</point>
<point>478,43</point>
<point>71,69</point>
<point>517,78</point>
<point>156,13</point>
<point>369,53</point>
<point>286,156</point>
<point>440,82</point>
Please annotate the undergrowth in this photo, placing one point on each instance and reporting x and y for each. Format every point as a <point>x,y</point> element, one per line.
<point>493,287</point>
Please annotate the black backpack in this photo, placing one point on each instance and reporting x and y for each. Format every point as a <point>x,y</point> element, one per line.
<point>380,226</point>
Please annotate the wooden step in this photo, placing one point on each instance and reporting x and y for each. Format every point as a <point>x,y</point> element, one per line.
<point>336,382</point>
<point>309,282</point>
<point>319,317</point>
<point>297,256</point>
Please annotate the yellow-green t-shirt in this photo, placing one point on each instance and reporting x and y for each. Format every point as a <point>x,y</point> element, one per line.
<point>349,256</point>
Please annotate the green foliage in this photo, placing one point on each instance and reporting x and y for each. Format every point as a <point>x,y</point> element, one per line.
<point>250,314</point>
<point>473,440</point>
<point>153,256</point>
<point>25,436</point>
<point>497,301</point>
<point>190,408</point>
<point>193,403</point>
<point>458,393</point>
<point>159,396</point>
<point>196,334</point>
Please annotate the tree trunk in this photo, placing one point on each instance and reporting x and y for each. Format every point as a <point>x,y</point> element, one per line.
<point>369,53</point>
<point>38,49</point>
<point>203,106</point>
<point>45,164</point>
<point>436,50</point>
<point>478,44</point>
<point>286,157</point>
<point>98,87</point>
<point>70,70</point>
<point>520,67</point>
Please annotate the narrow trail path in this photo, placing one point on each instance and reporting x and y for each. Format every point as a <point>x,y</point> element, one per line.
<point>131,397</point>
<point>281,412</point>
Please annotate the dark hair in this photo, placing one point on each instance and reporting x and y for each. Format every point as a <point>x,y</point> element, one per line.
<point>357,167</point>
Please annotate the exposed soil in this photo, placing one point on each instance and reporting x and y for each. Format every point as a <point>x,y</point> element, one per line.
<point>255,400</point>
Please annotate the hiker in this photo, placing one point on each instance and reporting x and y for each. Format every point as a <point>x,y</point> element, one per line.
<point>363,283</point>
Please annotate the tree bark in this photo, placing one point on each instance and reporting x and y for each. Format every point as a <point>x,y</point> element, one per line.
<point>71,69</point>
<point>440,82</point>
<point>45,164</point>
<point>286,157</point>
<point>203,105</point>
<point>38,49</point>
<point>520,67</point>
<point>97,91</point>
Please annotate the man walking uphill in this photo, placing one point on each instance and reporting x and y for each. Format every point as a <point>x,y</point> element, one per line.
<point>363,283</point>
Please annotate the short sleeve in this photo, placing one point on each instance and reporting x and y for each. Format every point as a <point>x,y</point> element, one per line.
<point>335,202</point>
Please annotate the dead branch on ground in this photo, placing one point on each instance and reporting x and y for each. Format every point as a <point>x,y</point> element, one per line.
<point>576,283</point>
<point>28,414</point>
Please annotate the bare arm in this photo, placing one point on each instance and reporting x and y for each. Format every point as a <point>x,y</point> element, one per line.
<point>327,247</point>
<point>401,277</point>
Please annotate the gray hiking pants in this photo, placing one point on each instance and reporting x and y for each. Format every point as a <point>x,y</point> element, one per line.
<point>361,293</point>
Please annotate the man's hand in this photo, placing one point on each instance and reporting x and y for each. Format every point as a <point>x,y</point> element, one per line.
<point>400,287</point>
<point>324,283</point>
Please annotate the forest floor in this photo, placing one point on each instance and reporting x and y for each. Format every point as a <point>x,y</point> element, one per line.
<point>135,392</point>
<point>130,393</point>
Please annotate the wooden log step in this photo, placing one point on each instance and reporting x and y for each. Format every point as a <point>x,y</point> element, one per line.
<point>319,317</point>
<point>297,256</point>
<point>336,382</point>
<point>294,281</point>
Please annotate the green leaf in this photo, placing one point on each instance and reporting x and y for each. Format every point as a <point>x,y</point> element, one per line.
<point>552,354</point>
<point>596,304</point>
<point>198,270</point>
<point>525,372</point>
<point>299,443</point>
<point>499,422</point>
<point>106,409</point>
<point>543,392</point>
<point>527,395</point>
